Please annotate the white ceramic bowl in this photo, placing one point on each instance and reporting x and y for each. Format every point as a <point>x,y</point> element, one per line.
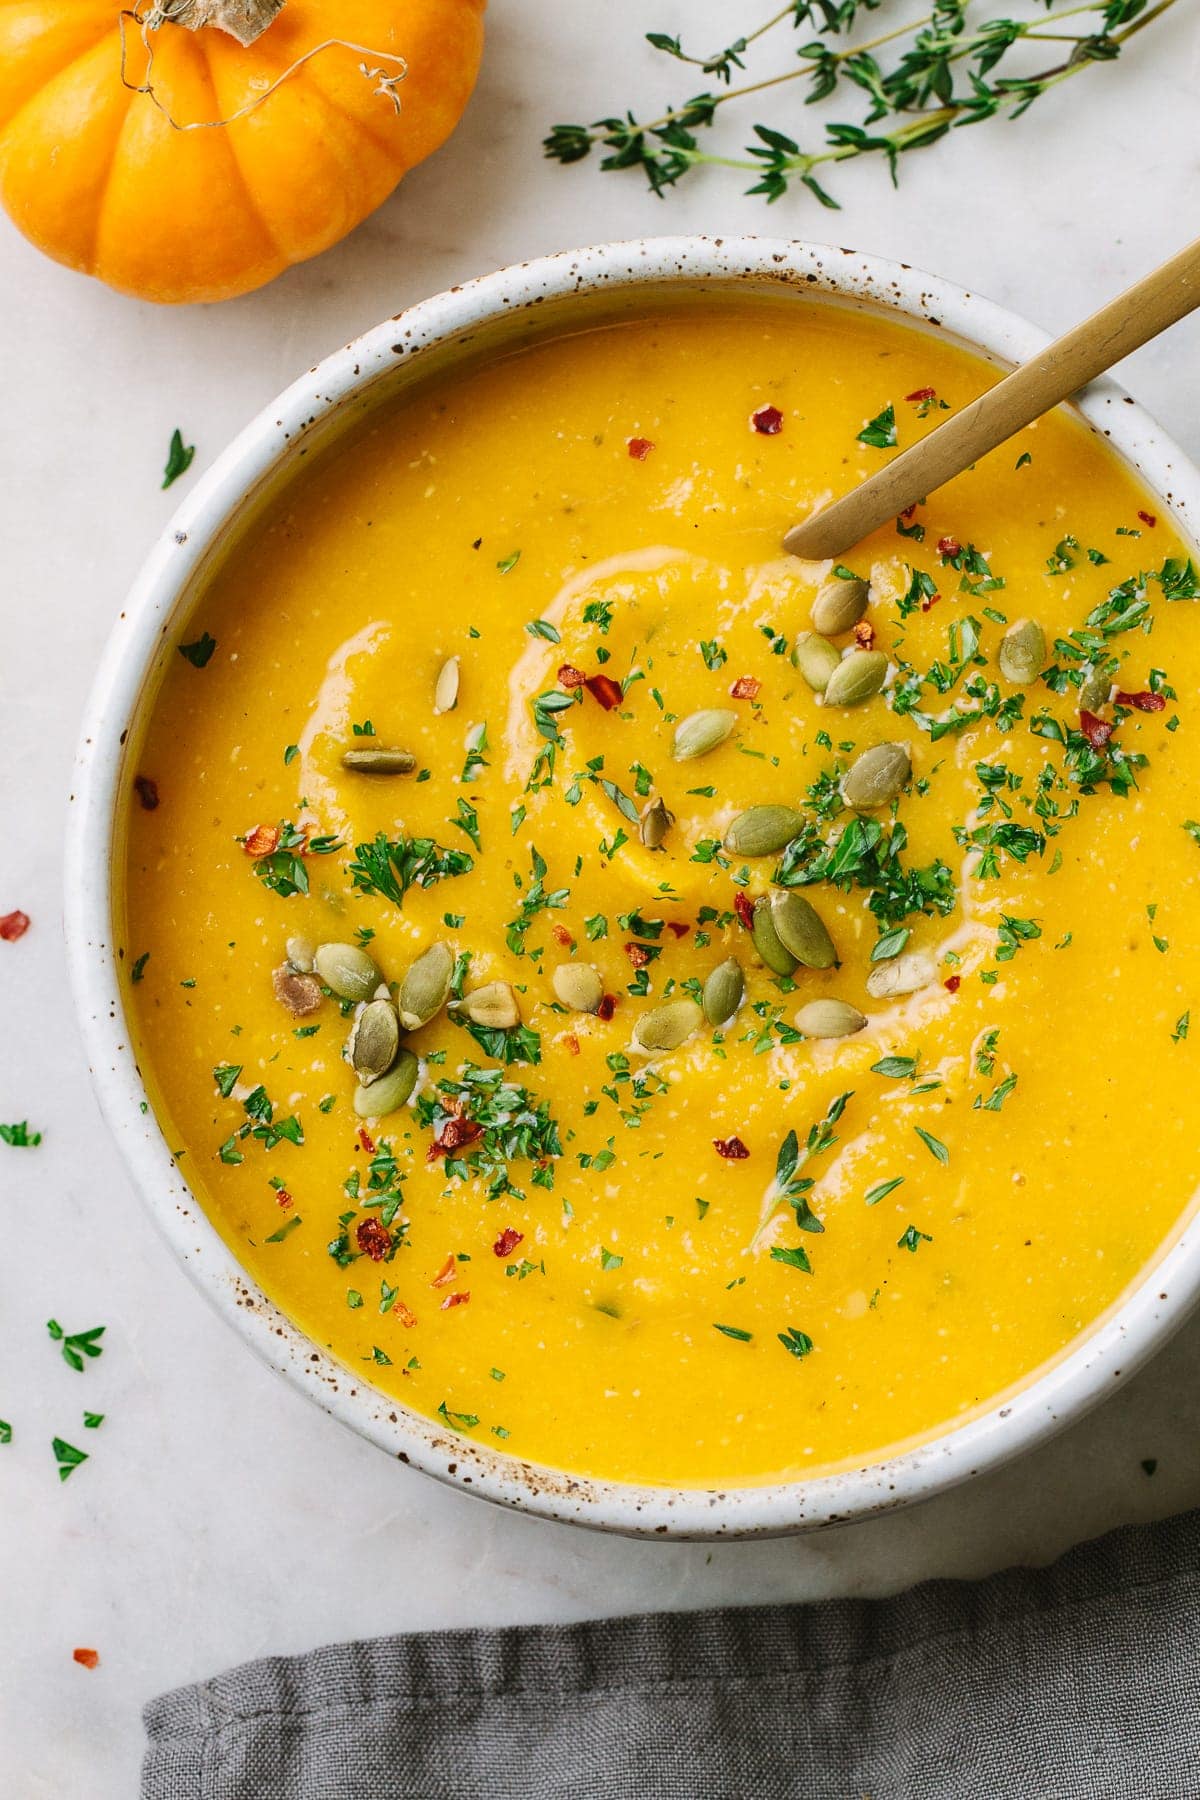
<point>533,299</point>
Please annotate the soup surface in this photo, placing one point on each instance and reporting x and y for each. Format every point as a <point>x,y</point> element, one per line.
<point>680,1246</point>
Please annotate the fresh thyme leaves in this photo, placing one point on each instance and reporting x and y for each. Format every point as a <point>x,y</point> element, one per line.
<point>937,73</point>
<point>910,1238</point>
<point>458,1421</point>
<point>882,1189</point>
<point>179,458</point>
<point>935,1146</point>
<point>508,1125</point>
<point>880,432</point>
<point>789,1185</point>
<point>260,1122</point>
<point>280,867</point>
<point>795,1341</point>
<point>735,1332</point>
<point>67,1457</point>
<point>390,866</point>
<point>78,1345</point>
<point>138,968</point>
<point>866,854</point>
<point>19,1136</point>
<point>535,899</point>
<point>199,651</point>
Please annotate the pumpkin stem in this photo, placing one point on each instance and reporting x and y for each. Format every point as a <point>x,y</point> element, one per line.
<point>243,19</point>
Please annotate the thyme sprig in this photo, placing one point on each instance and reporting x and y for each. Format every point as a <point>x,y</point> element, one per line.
<point>938,73</point>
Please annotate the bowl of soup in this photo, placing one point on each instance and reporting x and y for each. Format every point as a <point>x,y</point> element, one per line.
<point>653,1031</point>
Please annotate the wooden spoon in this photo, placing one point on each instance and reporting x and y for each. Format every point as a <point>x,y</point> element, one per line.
<point>1056,373</point>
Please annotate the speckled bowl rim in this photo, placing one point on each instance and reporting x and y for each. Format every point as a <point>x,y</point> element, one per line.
<point>1106,1355</point>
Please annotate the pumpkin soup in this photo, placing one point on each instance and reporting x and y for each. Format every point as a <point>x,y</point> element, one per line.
<point>667,1010</point>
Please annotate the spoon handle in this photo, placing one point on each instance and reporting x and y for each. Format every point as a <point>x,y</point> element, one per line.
<point>1054,374</point>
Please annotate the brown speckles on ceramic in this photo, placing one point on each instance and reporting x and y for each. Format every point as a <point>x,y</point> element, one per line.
<point>544,297</point>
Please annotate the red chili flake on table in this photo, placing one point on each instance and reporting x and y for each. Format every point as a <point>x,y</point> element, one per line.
<point>147,791</point>
<point>562,936</point>
<point>1144,702</point>
<point>638,955</point>
<point>508,1240</point>
<point>607,1006</point>
<point>948,546</point>
<point>768,420</point>
<point>744,910</point>
<point>14,925</point>
<point>1096,731</point>
<point>366,1140</point>
<point>263,840</point>
<point>639,448</point>
<point>1150,519</point>
<point>459,1299</point>
<point>864,634</point>
<point>952,983</point>
<point>746,687</point>
<point>88,1659</point>
<point>447,1273</point>
<point>373,1238</point>
<point>677,928</point>
<point>604,689</point>
<point>404,1315</point>
<point>731,1148</point>
<point>570,677</point>
<point>921,394</point>
<point>571,1043</point>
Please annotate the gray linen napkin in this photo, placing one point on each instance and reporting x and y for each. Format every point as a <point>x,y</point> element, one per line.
<point>1076,1682</point>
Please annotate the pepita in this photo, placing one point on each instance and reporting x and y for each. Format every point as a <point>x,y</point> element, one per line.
<point>1022,652</point>
<point>858,677</point>
<point>493,1005</point>
<point>904,974</point>
<point>578,985</point>
<point>374,1040</point>
<point>762,830</point>
<point>445,692</point>
<point>829,1018</point>
<point>801,930</point>
<point>391,1091</point>
<point>816,658</point>
<point>723,992</point>
<point>655,822</point>
<point>1095,690</point>
<point>299,992</point>
<point>839,605</point>
<point>426,987</point>
<point>767,942</point>
<point>300,954</point>
<point>346,970</point>
<point>378,759</point>
<point>702,731</point>
<point>877,776</point>
<point>666,1027</point>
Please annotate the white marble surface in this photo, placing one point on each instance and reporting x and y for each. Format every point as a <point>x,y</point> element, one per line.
<point>220,1515</point>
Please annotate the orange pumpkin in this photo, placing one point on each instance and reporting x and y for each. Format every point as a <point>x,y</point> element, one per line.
<point>100,177</point>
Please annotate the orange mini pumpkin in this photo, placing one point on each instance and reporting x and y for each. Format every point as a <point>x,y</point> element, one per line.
<point>100,176</point>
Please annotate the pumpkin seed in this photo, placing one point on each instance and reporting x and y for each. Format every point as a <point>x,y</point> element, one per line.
<point>347,970</point>
<point>426,987</point>
<point>666,1027</point>
<point>1095,690</point>
<point>445,692</point>
<point>801,930</point>
<point>767,942</point>
<point>904,974</point>
<point>858,677</point>
<point>655,822</point>
<point>374,1040</point>
<point>839,605</point>
<point>578,986</point>
<point>876,777</point>
<point>1022,652</point>
<point>816,658</point>
<point>300,993</point>
<point>389,1093</point>
<point>494,1005</point>
<point>723,992</point>
<point>702,731</point>
<point>300,954</point>
<point>829,1018</point>
<point>378,759</point>
<point>762,830</point>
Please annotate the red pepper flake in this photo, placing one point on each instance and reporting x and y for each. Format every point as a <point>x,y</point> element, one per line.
<point>283,1198</point>
<point>638,955</point>
<point>404,1315</point>
<point>929,600</point>
<point>744,909</point>
<point>864,634</point>
<point>731,1148</point>
<point>604,689</point>
<point>263,840</point>
<point>562,936</point>
<point>1150,519</point>
<point>459,1299</point>
<point>910,512</point>
<point>508,1240</point>
<point>366,1140</point>
<point>1096,731</point>
<point>1144,702</point>
<point>677,928</point>
<point>607,1006</point>
<point>14,925</point>
<point>746,687</point>
<point>570,677</point>
<point>921,394</point>
<point>952,983</point>
<point>147,791</point>
<point>948,547</point>
<point>373,1238</point>
<point>87,1659</point>
<point>453,1135</point>
<point>768,420</point>
<point>639,448</point>
<point>447,1273</point>
<point>571,1042</point>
